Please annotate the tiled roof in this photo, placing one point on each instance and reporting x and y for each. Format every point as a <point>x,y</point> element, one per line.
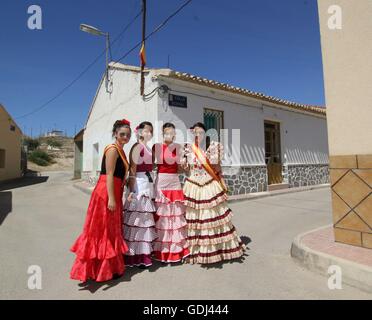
<point>169,73</point>
<point>226,87</point>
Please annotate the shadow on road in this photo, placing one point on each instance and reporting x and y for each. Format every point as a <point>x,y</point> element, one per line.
<point>5,205</point>
<point>93,286</point>
<point>219,265</point>
<point>30,178</point>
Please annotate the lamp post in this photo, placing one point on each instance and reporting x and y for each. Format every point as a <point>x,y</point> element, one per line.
<point>97,32</point>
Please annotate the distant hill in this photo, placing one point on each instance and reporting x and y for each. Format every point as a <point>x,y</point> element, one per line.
<point>62,150</point>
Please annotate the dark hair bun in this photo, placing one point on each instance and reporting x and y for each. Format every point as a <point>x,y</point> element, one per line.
<point>118,124</point>
<point>168,125</point>
<point>143,124</point>
<point>199,125</point>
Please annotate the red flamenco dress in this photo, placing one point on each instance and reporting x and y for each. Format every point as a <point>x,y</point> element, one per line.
<point>100,247</point>
<point>170,222</point>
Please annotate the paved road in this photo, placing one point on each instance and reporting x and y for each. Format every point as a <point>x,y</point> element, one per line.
<point>40,219</point>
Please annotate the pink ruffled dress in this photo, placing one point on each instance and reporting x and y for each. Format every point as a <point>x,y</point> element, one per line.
<point>170,222</point>
<point>139,224</point>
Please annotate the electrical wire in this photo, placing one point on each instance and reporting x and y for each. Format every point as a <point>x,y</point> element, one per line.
<point>63,90</point>
<point>152,33</point>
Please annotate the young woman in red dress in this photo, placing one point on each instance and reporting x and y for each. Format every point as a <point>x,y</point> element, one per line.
<point>170,225</point>
<point>100,247</point>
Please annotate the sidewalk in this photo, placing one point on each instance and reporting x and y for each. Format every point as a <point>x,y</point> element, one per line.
<point>317,250</point>
<point>83,186</point>
<point>87,188</point>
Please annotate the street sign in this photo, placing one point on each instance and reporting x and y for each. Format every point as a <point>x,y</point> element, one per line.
<point>177,101</point>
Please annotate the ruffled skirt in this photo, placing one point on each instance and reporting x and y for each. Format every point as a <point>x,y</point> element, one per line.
<point>170,222</point>
<point>139,224</point>
<point>100,247</point>
<point>211,236</point>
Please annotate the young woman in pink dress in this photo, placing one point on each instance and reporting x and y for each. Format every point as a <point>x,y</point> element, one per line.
<point>170,225</point>
<point>139,224</point>
<point>100,247</point>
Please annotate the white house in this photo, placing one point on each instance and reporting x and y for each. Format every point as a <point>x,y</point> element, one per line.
<point>269,142</point>
<point>54,133</point>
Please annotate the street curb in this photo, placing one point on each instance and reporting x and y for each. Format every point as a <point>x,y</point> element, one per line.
<point>264,194</point>
<point>353,274</point>
<point>86,190</point>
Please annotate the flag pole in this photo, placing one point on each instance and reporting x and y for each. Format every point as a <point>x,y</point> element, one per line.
<point>143,46</point>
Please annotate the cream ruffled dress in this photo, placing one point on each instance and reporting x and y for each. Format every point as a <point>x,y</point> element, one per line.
<point>211,236</point>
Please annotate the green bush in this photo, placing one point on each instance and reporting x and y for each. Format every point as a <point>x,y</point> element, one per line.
<point>40,158</point>
<point>54,143</point>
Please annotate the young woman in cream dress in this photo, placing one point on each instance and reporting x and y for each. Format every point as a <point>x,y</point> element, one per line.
<point>211,236</point>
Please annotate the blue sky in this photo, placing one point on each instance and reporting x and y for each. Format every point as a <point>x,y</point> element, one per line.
<point>268,46</point>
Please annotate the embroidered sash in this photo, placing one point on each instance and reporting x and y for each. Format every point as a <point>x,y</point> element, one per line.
<point>208,167</point>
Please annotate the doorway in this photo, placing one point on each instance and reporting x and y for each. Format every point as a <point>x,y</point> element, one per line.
<point>273,158</point>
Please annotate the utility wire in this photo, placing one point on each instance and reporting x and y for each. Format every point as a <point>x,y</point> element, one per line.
<point>63,90</point>
<point>102,53</point>
<point>153,32</point>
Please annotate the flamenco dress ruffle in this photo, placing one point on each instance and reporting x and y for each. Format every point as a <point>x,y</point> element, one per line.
<point>100,247</point>
<point>139,224</point>
<point>170,222</point>
<point>211,236</point>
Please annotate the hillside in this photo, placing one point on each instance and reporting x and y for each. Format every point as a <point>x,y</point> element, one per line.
<point>62,150</point>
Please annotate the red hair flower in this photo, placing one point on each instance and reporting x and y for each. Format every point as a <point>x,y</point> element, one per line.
<point>125,122</point>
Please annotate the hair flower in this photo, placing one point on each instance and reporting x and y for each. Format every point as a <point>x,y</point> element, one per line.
<point>125,122</point>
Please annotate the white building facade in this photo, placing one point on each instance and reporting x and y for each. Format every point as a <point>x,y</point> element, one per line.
<point>268,141</point>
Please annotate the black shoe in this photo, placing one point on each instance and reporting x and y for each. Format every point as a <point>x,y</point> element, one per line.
<point>116,276</point>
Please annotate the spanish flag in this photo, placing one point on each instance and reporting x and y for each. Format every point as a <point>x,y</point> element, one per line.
<point>143,54</point>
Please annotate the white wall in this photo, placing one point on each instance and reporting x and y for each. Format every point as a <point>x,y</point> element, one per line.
<point>303,136</point>
<point>124,102</point>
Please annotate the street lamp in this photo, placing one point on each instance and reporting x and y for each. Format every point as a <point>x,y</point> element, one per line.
<point>95,31</point>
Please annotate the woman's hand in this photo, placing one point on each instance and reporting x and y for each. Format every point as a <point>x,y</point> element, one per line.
<point>183,163</point>
<point>111,204</point>
<point>130,197</point>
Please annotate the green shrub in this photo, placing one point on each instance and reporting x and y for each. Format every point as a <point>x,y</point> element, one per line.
<point>54,143</point>
<point>40,157</point>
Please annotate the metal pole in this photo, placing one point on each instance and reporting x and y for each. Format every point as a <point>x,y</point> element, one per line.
<point>143,42</point>
<point>107,70</point>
